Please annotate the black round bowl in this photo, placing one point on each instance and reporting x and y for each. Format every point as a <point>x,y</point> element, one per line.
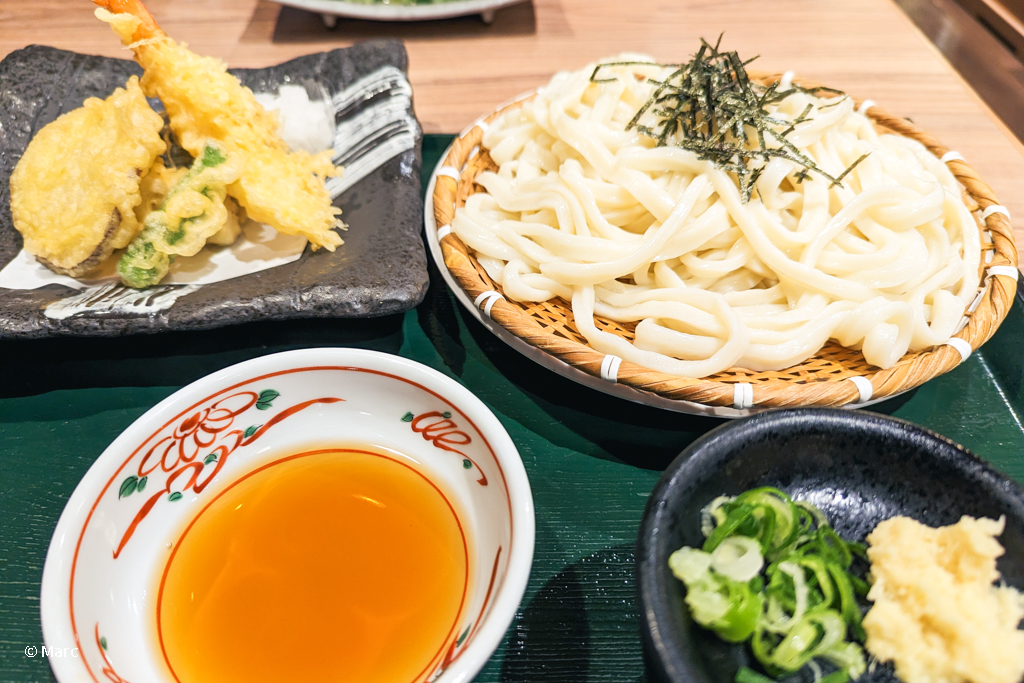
<point>858,467</point>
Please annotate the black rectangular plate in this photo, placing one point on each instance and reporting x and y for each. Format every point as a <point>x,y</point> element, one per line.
<point>381,268</point>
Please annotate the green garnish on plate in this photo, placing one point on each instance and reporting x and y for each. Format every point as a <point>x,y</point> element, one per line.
<point>801,607</point>
<point>709,106</point>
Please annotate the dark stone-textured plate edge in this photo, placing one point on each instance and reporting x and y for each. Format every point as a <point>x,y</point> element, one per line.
<point>380,270</point>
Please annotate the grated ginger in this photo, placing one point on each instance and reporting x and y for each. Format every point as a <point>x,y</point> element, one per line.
<point>936,612</point>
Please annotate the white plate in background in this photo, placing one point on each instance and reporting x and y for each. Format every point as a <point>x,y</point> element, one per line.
<point>330,10</point>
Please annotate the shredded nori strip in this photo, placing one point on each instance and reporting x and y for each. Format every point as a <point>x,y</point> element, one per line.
<point>710,107</point>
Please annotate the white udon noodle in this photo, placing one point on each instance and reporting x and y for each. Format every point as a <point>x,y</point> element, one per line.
<point>583,210</point>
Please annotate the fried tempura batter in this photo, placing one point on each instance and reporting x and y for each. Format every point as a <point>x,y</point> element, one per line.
<point>74,191</point>
<point>204,102</point>
<point>192,212</point>
<point>157,184</point>
<point>155,187</point>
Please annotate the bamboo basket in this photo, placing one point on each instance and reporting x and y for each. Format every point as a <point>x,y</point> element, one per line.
<point>835,376</point>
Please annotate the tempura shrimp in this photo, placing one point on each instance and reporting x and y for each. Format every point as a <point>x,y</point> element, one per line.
<point>204,102</point>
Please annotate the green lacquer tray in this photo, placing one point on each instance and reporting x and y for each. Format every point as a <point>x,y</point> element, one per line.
<point>592,459</point>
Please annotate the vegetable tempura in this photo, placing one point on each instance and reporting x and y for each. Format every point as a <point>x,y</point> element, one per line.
<point>74,192</point>
<point>191,213</point>
<point>204,102</point>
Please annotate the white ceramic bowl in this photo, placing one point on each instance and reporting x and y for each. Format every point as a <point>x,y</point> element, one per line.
<point>111,543</point>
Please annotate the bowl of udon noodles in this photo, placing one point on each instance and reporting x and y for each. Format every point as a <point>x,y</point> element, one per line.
<point>783,245</point>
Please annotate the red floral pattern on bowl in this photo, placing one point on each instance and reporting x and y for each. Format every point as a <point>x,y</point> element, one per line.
<point>115,534</point>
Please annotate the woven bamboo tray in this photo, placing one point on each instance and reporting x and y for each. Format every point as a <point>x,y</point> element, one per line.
<point>835,376</point>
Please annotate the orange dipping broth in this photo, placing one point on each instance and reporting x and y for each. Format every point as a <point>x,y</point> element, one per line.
<point>331,565</point>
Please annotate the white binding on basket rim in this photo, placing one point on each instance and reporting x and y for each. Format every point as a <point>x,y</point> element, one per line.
<point>443,232</point>
<point>962,347</point>
<point>451,172</point>
<point>951,156</point>
<point>995,208</point>
<point>490,297</point>
<point>863,385</point>
<point>610,368</point>
<point>742,395</point>
<point>1007,271</point>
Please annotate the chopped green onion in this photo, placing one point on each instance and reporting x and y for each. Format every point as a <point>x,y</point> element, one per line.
<point>729,608</point>
<point>804,608</point>
<point>738,558</point>
<point>748,675</point>
<point>840,676</point>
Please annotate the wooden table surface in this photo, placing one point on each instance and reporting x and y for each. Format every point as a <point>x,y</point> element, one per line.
<point>461,68</point>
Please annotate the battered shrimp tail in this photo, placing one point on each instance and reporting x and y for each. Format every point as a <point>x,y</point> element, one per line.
<point>148,28</point>
<point>206,103</point>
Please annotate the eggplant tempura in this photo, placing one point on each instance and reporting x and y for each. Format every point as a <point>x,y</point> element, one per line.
<point>204,102</point>
<point>74,191</point>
